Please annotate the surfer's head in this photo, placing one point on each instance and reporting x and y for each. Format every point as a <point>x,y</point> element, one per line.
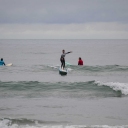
<point>1,59</point>
<point>79,58</point>
<point>63,51</point>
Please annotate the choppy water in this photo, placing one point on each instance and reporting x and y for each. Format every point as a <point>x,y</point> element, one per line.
<point>34,95</point>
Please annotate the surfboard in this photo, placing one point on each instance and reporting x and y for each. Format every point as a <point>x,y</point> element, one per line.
<point>9,64</point>
<point>63,71</point>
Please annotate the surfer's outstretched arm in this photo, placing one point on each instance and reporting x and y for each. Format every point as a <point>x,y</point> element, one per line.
<point>68,52</point>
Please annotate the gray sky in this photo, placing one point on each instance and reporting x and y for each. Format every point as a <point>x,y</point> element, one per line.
<point>63,19</point>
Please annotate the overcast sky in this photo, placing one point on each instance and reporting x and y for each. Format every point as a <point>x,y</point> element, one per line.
<point>63,19</point>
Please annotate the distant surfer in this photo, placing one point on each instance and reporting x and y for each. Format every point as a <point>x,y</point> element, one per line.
<point>2,62</point>
<point>80,61</point>
<point>62,58</point>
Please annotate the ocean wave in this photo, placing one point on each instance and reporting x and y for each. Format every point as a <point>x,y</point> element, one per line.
<point>74,89</point>
<point>116,86</point>
<point>90,69</point>
<point>105,68</point>
<point>25,123</point>
<point>71,68</point>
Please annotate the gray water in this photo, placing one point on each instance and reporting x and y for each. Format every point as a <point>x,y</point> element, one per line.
<point>33,94</point>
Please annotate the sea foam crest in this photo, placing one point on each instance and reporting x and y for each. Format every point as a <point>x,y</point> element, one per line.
<point>5,123</point>
<point>116,86</point>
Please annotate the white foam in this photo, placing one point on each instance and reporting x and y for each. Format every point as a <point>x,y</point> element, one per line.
<point>6,123</point>
<point>116,86</point>
<point>60,126</point>
<point>69,69</point>
<point>55,67</point>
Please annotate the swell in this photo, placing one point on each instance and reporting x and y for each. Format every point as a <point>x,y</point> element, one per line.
<point>89,69</point>
<point>106,68</point>
<point>64,89</point>
<point>72,68</point>
<point>24,121</point>
<point>27,123</point>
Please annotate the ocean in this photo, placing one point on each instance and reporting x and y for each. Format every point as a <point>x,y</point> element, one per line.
<point>34,95</point>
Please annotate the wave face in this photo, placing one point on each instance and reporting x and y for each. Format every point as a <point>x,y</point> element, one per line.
<point>91,89</point>
<point>73,68</point>
<point>91,69</point>
<point>106,68</point>
<point>25,123</point>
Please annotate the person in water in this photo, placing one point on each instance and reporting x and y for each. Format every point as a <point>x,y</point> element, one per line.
<point>62,58</point>
<point>80,61</point>
<point>2,62</point>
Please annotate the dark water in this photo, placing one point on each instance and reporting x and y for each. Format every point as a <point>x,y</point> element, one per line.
<point>34,95</point>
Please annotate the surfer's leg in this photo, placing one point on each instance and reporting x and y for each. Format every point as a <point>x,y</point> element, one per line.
<point>64,64</point>
<point>61,63</point>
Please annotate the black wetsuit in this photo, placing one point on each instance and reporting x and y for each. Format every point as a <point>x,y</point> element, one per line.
<point>62,59</point>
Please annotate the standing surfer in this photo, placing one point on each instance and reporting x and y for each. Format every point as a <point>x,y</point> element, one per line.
<point>62,59</point>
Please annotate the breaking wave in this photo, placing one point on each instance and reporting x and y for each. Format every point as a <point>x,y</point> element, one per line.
<point>25,123</point>
<point>63,89</point>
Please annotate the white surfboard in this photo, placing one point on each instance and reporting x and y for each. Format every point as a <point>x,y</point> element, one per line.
<point>63,71</point>
<point>9,64</point>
